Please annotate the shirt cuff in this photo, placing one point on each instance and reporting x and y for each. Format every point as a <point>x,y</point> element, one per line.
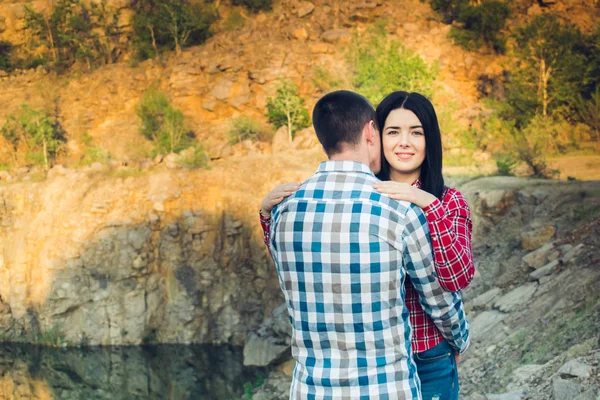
<point>263,219</point>
<point>434,211</point>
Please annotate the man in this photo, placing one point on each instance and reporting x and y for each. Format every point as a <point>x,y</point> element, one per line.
<point>342,253</point>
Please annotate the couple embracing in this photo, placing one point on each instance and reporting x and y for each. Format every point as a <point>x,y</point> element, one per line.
<point>371,253</point>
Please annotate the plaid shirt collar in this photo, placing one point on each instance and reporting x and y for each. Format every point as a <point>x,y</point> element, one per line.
<point>344,166</point>
<point>417,183</point>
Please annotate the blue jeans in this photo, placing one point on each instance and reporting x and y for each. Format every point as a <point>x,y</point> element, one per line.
<point>438,373</point>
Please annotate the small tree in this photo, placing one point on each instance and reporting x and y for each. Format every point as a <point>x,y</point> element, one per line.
<point>161,123</point>
<point>245,128</point>
<point>170,24</point>
<point>549,69</point>
<point>483,22</point>
<point>287,109</point>
<point>382,66</point>
<point>37,132</point>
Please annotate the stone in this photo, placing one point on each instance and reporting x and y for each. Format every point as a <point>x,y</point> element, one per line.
<point>300,34</point>
<point>590,394</point>
<point>572,253</point>
<point>320,48</point>
<point>506,396</point>
<point>209,105</point>
<point>5,176</point>
<point>305,8</point>
<point>516,297</point>
<point>565,390</point>
<point>485,298</point>
<point>545,270</point>
<point>539,257</point>
<point>575,368</point>
<point>261,351</point>
<point>287,367</point>
<point>222,89</point>
<point>336,36</point>
<point>486,322</point>
<point>535,239</point>
<point>171,160</point>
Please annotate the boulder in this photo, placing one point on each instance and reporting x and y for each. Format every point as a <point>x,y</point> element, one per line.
<point>535,239</point>
<point>485,298</point>
<point>305,8</point>
<point>565,390</point>
<point>545,270</point>
<point>575,368</point>
<point>262,351</point>
<point>539,257</point>
<point>516,297</point>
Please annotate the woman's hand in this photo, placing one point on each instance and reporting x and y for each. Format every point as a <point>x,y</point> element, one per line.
<point>276,196</point>
<point>404,191</point>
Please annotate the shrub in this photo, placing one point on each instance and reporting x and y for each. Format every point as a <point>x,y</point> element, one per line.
<point>160,25</point>
<point>506,164</point>
<point>5,50</point>
<point>245,128</point>
<point>381,66</point>
<point>254,5</point>
<point>194,159</point>
<point>70,34</point>
<point>287,109</point>
<point>37,133</point>
<point>161,123</point>
<point>92,152</point>
<point>485,21</point>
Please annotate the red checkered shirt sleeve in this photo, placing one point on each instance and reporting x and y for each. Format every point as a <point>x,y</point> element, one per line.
<point>265,224</point>
<point>450,226</point>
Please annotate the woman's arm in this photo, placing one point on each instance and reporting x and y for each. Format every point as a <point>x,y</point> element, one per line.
<point>450,226</point>
<point>273,198</point>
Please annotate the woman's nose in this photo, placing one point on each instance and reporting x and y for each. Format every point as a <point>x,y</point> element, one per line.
<point>404,140</point>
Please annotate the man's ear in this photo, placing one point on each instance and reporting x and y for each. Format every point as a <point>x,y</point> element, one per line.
<point>369,131</point>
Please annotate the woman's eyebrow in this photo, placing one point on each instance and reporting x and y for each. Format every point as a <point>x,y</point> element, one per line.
<point>397,127</point>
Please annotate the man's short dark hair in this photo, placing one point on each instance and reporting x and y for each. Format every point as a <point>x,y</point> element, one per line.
<point>339,117</point>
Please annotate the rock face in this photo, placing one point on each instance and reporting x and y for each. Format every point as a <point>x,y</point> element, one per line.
<point>174,257</point>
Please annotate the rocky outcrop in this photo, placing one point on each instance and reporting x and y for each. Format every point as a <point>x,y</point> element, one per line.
<point>170,256</point>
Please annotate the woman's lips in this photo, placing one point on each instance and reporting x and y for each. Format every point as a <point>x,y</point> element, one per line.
<point>404,156</point>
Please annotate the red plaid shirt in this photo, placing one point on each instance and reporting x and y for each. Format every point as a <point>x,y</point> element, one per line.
<point>450,225</point>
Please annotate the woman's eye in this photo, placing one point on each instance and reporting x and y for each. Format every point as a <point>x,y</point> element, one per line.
<point>418,133</point>
<point>392,132</point>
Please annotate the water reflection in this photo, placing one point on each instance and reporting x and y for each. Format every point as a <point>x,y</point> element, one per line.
<point>161,372</point>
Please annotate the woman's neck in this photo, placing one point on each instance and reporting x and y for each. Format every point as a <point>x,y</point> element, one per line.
<point>405,177</point>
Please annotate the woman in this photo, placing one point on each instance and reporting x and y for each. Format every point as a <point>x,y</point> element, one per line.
<point>412,171</point>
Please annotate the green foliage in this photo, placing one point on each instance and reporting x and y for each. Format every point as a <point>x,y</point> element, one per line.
<point>382,66</point>
<point>287,109</point>
<point>326,81</point>
<point>588,112</point>
<point>234,20</point>
<point>160,25</point>
<point>484,23</point>
<point>70,34</point>
<point>52,337</point>
<point>547,75</point>
<point>93,153</point>
<point>161,123</point>
<point>36,132</point>
<point>254,5</point>
<point>506,164</point>
<point>449,9</point>
<point>194,157</point>
<point>246,128</point>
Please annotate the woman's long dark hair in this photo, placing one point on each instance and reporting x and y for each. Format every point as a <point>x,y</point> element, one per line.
<point>431,177</point>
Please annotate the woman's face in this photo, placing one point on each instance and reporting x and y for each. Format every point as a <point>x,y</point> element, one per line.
<point>403,140</point>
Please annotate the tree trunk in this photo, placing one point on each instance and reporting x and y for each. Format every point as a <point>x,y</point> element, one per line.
<point>151,29</point>
<point>45,154</point>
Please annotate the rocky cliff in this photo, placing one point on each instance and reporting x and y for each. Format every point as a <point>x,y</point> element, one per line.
<point>172,256</point>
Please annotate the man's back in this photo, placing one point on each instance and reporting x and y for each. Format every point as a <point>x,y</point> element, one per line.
<point>342,253</point>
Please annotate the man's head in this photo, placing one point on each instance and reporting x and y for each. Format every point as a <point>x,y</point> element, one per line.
<point>345,123</point>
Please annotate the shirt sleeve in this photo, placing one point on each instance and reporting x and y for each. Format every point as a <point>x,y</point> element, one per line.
<point>445,308</point>
<point>265,224</point>
<point>450,226</point>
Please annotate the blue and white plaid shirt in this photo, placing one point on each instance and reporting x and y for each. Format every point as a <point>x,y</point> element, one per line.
<point>342,252</point>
